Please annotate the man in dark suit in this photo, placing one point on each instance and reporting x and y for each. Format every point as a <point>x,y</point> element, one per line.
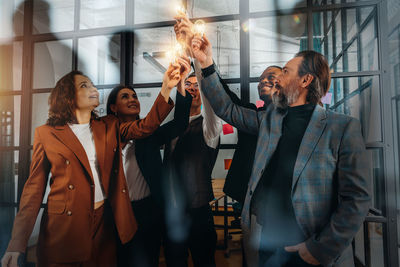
<point>239,173</point>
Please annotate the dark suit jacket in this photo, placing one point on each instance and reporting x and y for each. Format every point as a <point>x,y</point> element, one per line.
<point>67,222</point>
<point>239,173</point>
<point>148,149</point>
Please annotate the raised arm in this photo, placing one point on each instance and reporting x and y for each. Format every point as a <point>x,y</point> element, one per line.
<point>244,119</point>
<point>162,106</point>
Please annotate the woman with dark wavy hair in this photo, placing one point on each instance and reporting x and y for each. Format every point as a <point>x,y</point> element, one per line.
<point>88,199</point>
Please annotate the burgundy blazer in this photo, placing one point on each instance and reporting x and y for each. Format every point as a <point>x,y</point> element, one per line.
<point>66,226</point>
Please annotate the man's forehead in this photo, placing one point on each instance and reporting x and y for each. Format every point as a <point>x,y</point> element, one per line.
<point>192,79</point>
<point>270,71</point>
<point>294,63</point>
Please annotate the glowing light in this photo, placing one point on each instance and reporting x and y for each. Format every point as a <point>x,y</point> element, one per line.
<point>246,26</point>
<point>176,51</point>
<point>296,19</point>
<point>180,10</point>
<point>199,27</point>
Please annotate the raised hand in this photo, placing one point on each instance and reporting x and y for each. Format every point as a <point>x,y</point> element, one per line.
<point>171,78</point>
<point>184,30</point>
<point>202,50</point>
<point>184,72</point>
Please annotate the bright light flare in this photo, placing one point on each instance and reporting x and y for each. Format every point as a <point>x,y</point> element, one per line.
<point>199,27</point>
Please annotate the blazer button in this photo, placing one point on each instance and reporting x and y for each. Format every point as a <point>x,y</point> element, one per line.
<point>70,187</point>
<point>116,171</point>
<point>69,213</point>
<point>115,149</point>
<point>123,191</point>
<point>67,162</point>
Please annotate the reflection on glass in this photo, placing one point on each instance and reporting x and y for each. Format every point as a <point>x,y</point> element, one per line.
<point>394,61</point>
<point>102,108</point>
<point>40,111</point>
<point>152,45</point>
<point>53,16</point>
<point>8,176</point>
<point>146,97</point>
<point>351,26</point>
<point>268,5</point>
<point>102,13</point>
<point>100,58</point>
<point>378,192</point>
<point>275,40</point>
<point>369,47</point>
<point>222,163</point>
<point>365,106</point>
<point>52,60</point>
<point>7,215</point>
<point>10,66</point>
<point>153,11</point>
<point>209,8</point>
<point>10,113</point>
<point>351,57</point>
<point>11,18</point>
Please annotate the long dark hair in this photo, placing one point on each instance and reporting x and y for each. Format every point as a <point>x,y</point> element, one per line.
<point>62,101</point>
<point>112,97</point>
<point>315,64</point>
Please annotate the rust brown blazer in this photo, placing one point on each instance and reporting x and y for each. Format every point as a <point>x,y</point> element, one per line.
<point>66,226</point>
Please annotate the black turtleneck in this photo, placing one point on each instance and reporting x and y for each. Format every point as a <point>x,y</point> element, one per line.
<point>272,200</point>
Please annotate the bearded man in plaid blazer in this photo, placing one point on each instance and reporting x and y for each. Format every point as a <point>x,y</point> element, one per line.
<point>310,182</point>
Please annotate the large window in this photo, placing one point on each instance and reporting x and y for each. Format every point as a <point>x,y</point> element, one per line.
<point>126,41</point>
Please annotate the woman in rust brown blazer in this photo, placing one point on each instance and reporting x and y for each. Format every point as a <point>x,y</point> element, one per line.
<point>85,184</point>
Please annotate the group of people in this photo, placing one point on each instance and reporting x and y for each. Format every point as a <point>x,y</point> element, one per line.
<point>300,172</point>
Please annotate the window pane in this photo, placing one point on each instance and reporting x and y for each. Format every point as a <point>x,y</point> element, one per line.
<point>10,113</point>
<point>40,111</point>
<point>102,108</point>
<point>254,96</point>
<point>7,215</point>
<point>364,13</point>
<point>369,48</point>
<point>157,10</point>
<point>100,58</point>
<point>351,57</point>
<point>378,190</point>
<point>12,18</point>
<point>11,66</point>
<point>338,32</point>
<point>146,97</point>
<point>222,163</point>
<point>365,106</point>
<point>351,26</point>
<point>53,16</point>
<point>268,5</point>
<point>151,45</point>
<point>8,176</point>
<point>375,231</point>
<point>52,60</point>
<point>102,13</point>
<point>275,40</point>
<point>394,61</point>
<point>209,8</point>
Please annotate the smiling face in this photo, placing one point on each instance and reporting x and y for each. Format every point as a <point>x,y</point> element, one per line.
<point>87,96</point>
<point>127,105</point>
<point>192,87</point>
<point>267,81</point>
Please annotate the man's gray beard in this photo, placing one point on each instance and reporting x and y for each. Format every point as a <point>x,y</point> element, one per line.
<point>285,96</point>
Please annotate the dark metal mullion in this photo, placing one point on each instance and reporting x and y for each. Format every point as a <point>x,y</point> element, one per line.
<point>390,237</point>
<point>127,43</point>
<point>367,245</point>
<point>77,19</point>
<point>310,25</point>
<point>26,99</point>
<point>244,8</point>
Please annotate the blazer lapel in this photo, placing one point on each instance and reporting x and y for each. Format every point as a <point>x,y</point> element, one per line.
<point>99,133</point>
<point>69,139</point>
<point>310,140</point>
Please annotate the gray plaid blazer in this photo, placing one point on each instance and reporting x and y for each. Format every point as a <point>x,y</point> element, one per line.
<point>331,179</point>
